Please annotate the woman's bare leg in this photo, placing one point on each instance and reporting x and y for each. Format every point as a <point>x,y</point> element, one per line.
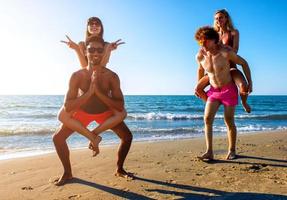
<point>75,125</point>
<point>111,122</point>
<point>241,83</point>
<point>199,89</point>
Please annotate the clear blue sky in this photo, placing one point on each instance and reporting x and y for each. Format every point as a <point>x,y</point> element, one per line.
<point>159,54</point>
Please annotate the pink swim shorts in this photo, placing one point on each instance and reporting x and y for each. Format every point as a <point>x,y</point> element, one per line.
<point>227,95</point>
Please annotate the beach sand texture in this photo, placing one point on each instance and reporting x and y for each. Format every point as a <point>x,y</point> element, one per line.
<point>163,170</point>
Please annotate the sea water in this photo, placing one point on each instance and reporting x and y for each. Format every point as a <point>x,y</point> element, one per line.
<point>27,123</point>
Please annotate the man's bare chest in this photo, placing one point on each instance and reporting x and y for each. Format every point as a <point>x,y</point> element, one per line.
<point>215,63</point>
<point>102,82</point>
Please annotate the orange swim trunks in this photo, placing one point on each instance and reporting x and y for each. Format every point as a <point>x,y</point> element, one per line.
<point>86,118</point>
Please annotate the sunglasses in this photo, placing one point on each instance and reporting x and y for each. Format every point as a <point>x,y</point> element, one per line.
<point>94,50</point>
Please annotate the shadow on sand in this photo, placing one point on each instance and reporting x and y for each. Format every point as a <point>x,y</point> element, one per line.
<point>191,192</point>
<point>205,193</point>
<point>257,161</point>
<point>114,191</point>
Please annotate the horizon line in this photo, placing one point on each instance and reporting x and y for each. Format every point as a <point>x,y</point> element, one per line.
<point>134,95</point>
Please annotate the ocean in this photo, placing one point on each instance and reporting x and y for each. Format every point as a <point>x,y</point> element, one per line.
<point>27,123</point>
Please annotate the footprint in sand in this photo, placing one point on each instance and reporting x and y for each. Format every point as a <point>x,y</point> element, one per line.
<point>252,145</point>
<point>53,180</point>
<point>126,189</point>
<point>27,188</point>
<point>171,181</point>
<point>257,168</point>
<point>76,196</point>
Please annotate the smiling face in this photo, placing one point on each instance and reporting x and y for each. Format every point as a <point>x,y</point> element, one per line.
<point>94,28</point>
<point>95,52</point>
<point>220,20</point>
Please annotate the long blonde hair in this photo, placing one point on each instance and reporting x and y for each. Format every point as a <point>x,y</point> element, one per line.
<point>229,23</point>
<point>96,19</point>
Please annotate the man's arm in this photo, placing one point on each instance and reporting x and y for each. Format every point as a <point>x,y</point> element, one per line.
<point>72,101</point>
<point>200,72</point>
<point>241,61</point>
<point>200,69</point>
<point>117,100</point>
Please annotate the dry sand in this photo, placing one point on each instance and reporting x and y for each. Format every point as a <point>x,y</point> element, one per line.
<point>163,170</point>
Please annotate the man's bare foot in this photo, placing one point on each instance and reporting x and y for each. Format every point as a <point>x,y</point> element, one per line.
<point>122,173</point>
<point>246,107</point>
<point>207,156</point>
<point>63,179</point>
<point>231,155</point>
<point>95,145</point>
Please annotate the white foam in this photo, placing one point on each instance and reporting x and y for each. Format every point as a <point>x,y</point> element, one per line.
<point>23,154</point>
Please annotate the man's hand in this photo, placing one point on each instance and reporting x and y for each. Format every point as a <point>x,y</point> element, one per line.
<point>92,87</point>
<point>95,81</point>
<point>70,43</point>
<point>202,52</point>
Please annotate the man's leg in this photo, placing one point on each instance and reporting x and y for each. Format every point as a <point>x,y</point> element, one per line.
<point>229,112</point>
<point>126,137</point>
<point>209,113</point>
<point>59,139</point>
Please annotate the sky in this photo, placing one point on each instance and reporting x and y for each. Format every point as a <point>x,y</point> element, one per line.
<point>159,55</point>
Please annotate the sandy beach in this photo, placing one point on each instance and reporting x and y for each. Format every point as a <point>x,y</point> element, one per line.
<point>163,170</point>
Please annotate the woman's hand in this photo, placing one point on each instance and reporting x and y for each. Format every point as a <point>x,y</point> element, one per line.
<point>114,45</point>
<point>70,43</point>
<point>108,49</point>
